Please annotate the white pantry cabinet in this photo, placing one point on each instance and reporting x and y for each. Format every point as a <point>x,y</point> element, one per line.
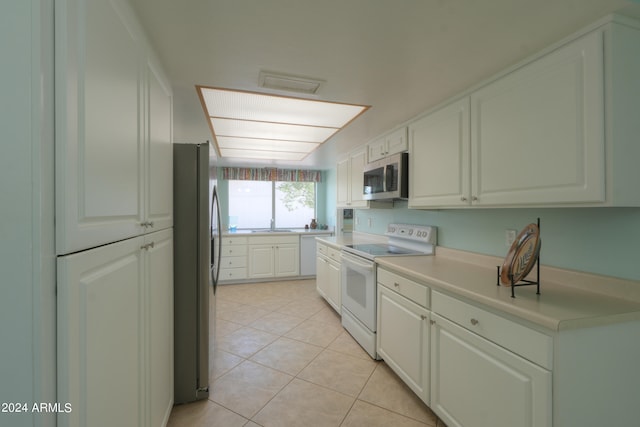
<point>553,131</point>
<point>273,256</point>
<point>113,127</point>
<point>403,330</point>
<point>115,340</point>
<point>392,143</point>
<point>328,277</point>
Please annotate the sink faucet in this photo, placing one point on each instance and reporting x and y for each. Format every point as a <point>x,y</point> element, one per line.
<point>273,224</point>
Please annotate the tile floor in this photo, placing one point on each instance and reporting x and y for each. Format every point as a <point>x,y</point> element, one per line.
<point>282,358</point>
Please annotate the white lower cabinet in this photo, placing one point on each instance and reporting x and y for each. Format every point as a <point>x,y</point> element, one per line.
<point>403,339</point>
<point>328,277</point>
<point>482,370</point>
<point>233,259</point>
<point>273,256</point>
<point>478,383</point>
<point>114,333</point>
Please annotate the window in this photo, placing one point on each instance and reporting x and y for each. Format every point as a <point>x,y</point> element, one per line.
<point>252,204</point>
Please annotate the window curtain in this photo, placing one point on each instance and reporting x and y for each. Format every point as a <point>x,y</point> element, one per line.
<point>272,174</point>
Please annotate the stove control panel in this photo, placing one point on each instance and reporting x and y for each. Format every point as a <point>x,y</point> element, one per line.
<point>418,233</point>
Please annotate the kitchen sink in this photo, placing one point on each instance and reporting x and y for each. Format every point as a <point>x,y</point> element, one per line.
<point>275,230</point>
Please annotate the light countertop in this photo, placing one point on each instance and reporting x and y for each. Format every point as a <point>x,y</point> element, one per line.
<point>291,232</point>
<point>567,299</point>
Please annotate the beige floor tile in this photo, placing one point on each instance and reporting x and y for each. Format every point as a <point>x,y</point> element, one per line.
<point>248,387</point>
<point>245,341</point>
<point>276,323</point>
<point>204,413</point>
<point>221,363</point>
<point>316,333</point>
<point>304,404</point>
<point>224,327</point>
<point>303,307</point>
<point>327,315</point>
<point>386,390</point>
<point>339,372</point>
<point>224,304</point>
<point>244,314</point>
<point>287,355</point>
<point>363,414</point>
<point>346,344</point>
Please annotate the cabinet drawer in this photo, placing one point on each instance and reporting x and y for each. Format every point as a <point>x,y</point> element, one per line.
<point>334,254</point>
<point>273,240</point>
<point>408,288</point>
<point>233,262</point>
<point>234,250</point>
<point>226,241</point>
<point>528,343</point>
<point>322,249</point>
<point>232,273</point>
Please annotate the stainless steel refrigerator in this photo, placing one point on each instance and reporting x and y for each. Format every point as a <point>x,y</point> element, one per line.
<point>194,271</point>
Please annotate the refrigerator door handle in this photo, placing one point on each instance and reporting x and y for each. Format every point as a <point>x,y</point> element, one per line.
<point>218,240</point>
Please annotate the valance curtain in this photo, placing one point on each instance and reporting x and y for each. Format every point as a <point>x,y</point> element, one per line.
<point>272,174</point>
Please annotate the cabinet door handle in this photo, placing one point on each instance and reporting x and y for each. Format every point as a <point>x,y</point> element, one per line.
<point>433,322</point>
<point>423,317</point>
<point>474,322</point>
<point>474,198</point>
<point>396,284</point>
<point>463,199</point>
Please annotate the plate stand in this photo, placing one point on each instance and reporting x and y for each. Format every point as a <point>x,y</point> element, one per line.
<point>524,282</point>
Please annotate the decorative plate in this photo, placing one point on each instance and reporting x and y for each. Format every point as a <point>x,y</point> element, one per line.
<point>521,256</point>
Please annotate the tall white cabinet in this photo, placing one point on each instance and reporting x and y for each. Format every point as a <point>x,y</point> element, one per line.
<point>113,152</point>
<point>114,208</point>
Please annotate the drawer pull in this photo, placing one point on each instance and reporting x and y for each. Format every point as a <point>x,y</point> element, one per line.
<point>474,322</point>
<point>396,284</point>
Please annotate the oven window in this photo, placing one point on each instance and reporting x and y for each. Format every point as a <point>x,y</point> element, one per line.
<point>356,287</point>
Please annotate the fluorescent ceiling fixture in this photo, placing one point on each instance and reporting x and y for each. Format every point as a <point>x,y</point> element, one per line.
<point>243,119</point>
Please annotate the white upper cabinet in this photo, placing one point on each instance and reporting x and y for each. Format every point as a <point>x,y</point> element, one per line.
<point>350,182</point>
<point>392,143</point>
<point>537,134</point>
<point>439,160</point>
<point>159,151</point>
<point>112,180</point>
<point>557,130</point>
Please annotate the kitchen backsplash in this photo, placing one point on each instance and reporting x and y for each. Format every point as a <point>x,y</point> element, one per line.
<point>595,240</point>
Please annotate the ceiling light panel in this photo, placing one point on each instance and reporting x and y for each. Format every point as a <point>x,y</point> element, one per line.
<point>261,155</point>
<point>252,125</point>
<point>265,144</point>
<point>278,109</point>
<point>262,130</point>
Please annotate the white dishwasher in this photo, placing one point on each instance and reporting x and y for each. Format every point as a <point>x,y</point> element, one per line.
<point>308,254</point>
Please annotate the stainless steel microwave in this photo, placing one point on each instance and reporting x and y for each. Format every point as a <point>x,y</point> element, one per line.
<point>387,178</point>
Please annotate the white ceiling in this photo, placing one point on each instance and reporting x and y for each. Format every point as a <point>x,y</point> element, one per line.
<point>399,56</point>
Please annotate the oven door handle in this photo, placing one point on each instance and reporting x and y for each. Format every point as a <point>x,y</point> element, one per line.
<point>354,260</point>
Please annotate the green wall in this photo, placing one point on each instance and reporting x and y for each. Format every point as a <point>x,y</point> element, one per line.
<point>596,240</point>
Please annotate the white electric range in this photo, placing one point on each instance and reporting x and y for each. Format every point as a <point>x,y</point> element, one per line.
<point>359,284</point>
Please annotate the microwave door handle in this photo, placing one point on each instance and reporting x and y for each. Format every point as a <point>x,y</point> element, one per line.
<point>388,175</point>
